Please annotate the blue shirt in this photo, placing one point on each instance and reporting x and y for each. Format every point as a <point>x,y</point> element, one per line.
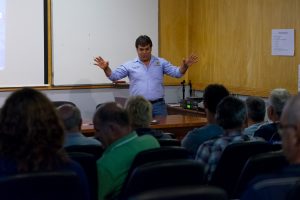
<point>197,136</point>
<point>250,130</point>
<point>209,153</point>
<point>77,138</point>
<point>273,186</point>
<point>146,81</point>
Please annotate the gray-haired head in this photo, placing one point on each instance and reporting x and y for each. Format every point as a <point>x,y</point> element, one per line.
<point>278,99</point>
<point>70,116</point>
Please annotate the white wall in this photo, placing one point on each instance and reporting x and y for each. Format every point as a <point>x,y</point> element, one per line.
<point>88,99</point>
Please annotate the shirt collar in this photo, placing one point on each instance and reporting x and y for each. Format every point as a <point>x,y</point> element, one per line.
<point>122,141</point>
<point>137,59</point>
<point>73,134</point>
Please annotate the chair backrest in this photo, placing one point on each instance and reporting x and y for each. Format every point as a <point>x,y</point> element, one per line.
<point>96,150</point>
<point>232,162</point>
<point>169,142</point>
<point>42,185</point>
<point>157,154</point>
<point>60,103</point>
<point>294,192</point>
<point>258,165</point>
<point>88,164</point>
<point>184,192</point>
<point>160,174</point>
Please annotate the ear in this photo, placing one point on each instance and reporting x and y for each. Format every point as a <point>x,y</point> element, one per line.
<point>80,124</point>
<point>204,104</point>
<point>270,112</point>
<point>114,130</point>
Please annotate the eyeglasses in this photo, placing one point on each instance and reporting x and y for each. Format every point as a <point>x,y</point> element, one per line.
<point>282,127</point>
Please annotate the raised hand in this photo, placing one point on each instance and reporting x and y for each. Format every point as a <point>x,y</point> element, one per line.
<point>190,60</point>
<point>100,62</point>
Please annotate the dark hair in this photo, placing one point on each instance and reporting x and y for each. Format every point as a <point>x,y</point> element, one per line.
<point>231,113</point>
<point>70,116</point>
<point>31,132</point>
<point>212,96</point>
<point>143,40</point>
<point>256,108</point>
<point>111,112</point>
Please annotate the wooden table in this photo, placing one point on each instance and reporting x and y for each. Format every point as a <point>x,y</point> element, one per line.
<point>177,110</point>
<point>177,124</point>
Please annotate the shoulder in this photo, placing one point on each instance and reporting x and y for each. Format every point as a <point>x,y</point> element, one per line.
<point>130,63</point>
<point>198,133</point>
<point>159,60</point>
<point>266,130</point>
<point>93,141</point>
<point>211,143</point>
<point>268,127</point>
<point>147,139</point>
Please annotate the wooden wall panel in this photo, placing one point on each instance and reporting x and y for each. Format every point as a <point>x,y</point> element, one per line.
<point>173,32</point>
<point>233,41</point>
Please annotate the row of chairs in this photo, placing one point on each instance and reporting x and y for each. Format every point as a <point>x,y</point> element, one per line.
<point>87,156</point>
<point>59,185</point>
<point>230,174</point>
<point>170,166</point>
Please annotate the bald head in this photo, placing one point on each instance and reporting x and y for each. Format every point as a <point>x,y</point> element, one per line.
<point>291,111</point>
<point>70,116</point>
<point>290,130</point>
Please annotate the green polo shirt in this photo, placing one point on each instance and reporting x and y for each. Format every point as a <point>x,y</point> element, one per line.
<point>115,162</point>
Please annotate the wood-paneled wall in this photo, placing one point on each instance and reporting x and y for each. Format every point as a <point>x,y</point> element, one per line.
<point>173,33</point>
<point>233,41</point>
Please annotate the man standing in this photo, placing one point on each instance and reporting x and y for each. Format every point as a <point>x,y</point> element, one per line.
<point>146,72</point>
<point>113,129</point>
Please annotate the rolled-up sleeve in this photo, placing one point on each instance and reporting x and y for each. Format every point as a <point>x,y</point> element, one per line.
<point>170,69</point>
<point>119,73</point>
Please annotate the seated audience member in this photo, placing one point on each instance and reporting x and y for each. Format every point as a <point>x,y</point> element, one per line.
<point>256,110</point>
<point>276,101</point>
<point>212,95</point>
<point>31,137</point>
<point>276,186</point>
<point>112,127</point>
<point>72,121</point>
<point>231,115</point>
<point>140,114</point>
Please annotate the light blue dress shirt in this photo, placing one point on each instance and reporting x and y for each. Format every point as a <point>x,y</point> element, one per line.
<point>77,138</point>
<point>146,81</point>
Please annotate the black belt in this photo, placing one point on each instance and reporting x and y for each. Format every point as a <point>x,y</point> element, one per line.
<point>157,100</point>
